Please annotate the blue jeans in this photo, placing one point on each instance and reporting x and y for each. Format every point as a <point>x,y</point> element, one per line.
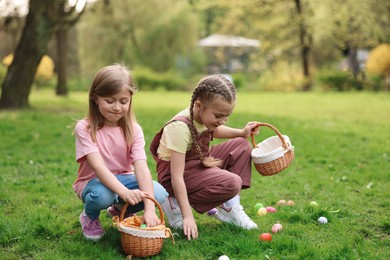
<point>96,196</point>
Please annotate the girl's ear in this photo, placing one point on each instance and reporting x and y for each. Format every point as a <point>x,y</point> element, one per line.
<point>95,100</point>
<point>197,105</point>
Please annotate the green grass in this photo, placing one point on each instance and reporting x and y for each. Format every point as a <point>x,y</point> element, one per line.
<point>342,161</point>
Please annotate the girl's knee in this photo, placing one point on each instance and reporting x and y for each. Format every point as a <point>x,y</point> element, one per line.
<point>233,184</point>
<point>243,142</point>
<point>160,194</point>
<point>237,184</point>
<point>100,199</point>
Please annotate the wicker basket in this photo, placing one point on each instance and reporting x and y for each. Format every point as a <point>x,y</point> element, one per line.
<point>272,155</point>
<point>138,241</point>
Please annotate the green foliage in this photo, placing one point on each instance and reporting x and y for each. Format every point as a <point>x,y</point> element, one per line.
<point>281,76</point>
<point>336,80</point>
<point>152,34</point>
<point>150,80</point>
<point>79,83</point>
<point>375,82</point>
<point>342,158</point>
<point>240,80</point>
<point>171,35</point>
<point>343,81</point>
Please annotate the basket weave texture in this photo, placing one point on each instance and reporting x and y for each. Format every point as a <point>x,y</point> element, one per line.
<point>138,241</point>
<point>272,155</point>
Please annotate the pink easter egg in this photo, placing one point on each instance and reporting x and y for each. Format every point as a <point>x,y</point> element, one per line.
<point>271,209</point>
<point>276,228</point>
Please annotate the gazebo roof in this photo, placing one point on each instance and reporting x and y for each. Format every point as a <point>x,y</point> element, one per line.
<point>221,40</point>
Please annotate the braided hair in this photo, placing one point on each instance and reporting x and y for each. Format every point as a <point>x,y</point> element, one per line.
<point>208,89</point>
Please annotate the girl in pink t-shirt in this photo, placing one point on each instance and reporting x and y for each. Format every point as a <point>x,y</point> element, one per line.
<point>110,148</point>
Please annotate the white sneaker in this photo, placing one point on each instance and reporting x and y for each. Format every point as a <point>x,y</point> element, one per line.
<point>235,215</point>
<point>173,213</point>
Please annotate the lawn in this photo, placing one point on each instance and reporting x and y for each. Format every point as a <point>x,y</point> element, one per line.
<point>342,161</point>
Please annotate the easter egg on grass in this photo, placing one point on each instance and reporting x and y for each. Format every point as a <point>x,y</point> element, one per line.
<point>290,203</point>
<point>281,203</point>
<point>313,204</point>
<point>223,257</point>
<point>276,228</point>
<point>265,237</point>
<point>271,209</point>
<point>258,205</point>
<point>262,211</point>
<point>322,220</point>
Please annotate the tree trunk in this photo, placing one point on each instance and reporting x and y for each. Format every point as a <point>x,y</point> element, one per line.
<point>305,43</point>
<point>353,62</point>
<point>36,34</point>
<point>62,61</point>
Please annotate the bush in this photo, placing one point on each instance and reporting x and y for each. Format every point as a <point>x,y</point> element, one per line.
<point>240,80</point>
<point>339,81</point>
<point>45,70</point>
<point>378,61</point>
<point>150,80</point>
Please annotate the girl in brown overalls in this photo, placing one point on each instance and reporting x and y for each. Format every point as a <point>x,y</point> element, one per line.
<point>200,176</point>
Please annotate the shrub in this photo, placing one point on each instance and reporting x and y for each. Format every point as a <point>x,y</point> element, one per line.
<point>339,81</point>
<point>378,63</point>
<point>240,80</point>
<point>45,70</point>
<point>150,80</point>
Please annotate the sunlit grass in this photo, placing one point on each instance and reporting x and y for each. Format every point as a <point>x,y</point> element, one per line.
<point>342,161</point>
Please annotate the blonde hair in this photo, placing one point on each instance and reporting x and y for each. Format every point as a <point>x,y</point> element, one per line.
<point>107,82</point>
<point>208,89</point>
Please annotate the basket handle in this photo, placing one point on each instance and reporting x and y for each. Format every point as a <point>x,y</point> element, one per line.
<point>121,217</point>
<point>285,145</point>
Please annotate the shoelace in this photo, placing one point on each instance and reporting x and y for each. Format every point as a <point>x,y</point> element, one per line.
<point>241,212</point>
<point>94,224</point>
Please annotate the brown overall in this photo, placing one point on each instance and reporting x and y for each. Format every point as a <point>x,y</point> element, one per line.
<point>209,187</point>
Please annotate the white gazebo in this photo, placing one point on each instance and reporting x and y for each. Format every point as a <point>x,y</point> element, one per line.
<point>221,40</point>
<point>228,53</point>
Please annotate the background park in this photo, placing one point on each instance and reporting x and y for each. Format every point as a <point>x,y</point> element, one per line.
<point>317,70</point>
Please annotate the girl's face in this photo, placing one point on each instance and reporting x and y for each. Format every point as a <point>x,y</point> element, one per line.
<point>114,107</point>
<point>213,114</point>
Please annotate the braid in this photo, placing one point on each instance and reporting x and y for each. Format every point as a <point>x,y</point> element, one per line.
<point>193,131</point>
<point>209,88</point>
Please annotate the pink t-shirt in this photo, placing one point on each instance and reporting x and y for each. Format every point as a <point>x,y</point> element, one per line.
<point>111,145</point>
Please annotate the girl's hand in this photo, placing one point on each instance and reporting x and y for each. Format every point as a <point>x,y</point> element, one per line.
<point>190,229</point>
<point>133,197</point>
<point>251,128</point>
<point>150,219</point>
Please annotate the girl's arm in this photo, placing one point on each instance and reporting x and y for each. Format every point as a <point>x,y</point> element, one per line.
<point>226,132</point>
<point>97,164</point>
<point>145,183</point>
<point>179,188</point>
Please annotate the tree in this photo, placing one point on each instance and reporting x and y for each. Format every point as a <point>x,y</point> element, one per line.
<point>41,23</point>
<point>283,27</point>
<point>153,33</point>
<point>68,17</point>
<point>352,25</point>
<point>305,40</point>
